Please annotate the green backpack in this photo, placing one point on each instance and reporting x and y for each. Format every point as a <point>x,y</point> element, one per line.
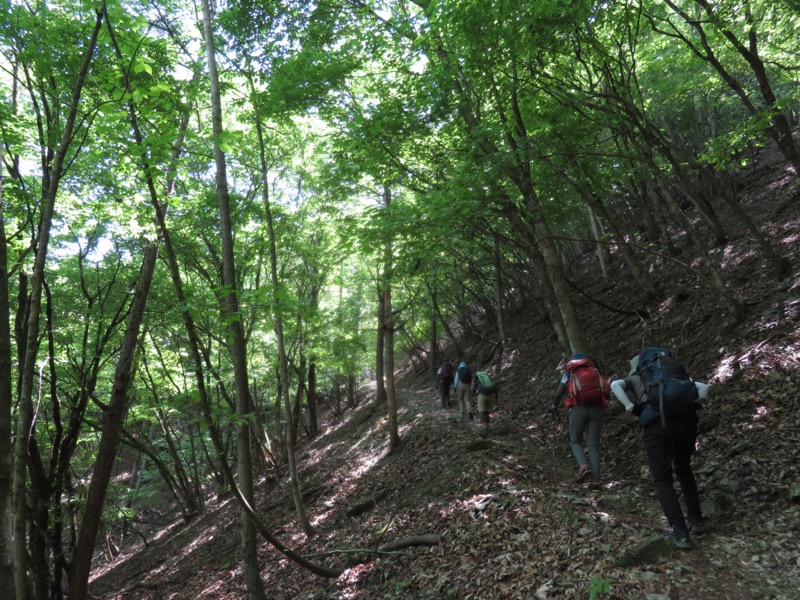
<point>484,384</point>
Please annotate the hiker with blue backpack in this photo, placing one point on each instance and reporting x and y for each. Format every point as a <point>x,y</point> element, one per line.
<point>586,394</point>
<point>462,384</point>
<point>667,401</point>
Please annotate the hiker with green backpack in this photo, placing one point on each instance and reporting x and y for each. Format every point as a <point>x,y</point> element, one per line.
<point>488,396</point>
<point>667,401</point>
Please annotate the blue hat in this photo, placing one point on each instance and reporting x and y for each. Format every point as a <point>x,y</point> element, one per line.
<point>463,364</point>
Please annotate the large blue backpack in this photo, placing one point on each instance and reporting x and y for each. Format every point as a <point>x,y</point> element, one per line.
<point>464,374</point>
<point>670,389</point>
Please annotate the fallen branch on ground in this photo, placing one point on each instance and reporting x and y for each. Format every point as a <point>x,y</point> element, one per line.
<point>366,505</point>
<point>414,540</point>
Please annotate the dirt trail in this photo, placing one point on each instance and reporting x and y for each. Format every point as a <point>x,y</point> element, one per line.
<point>508,530</point>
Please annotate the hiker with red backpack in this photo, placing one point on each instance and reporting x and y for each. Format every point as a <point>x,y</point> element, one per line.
<point>586,392</point>
<point>462,385</point>
<point>667,401</point>
<point>444,379</point>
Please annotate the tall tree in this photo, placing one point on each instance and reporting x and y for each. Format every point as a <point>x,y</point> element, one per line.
<point>388,332</point>
<point>709,20</point>
<point>255,587</point>
<point>278,312</point>
<point>117,407</point>
<point>53,167</point>
<point>6,400</point>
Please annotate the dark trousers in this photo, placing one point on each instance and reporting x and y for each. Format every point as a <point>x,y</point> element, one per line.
<point>669,448</point>
<point>444,390</point>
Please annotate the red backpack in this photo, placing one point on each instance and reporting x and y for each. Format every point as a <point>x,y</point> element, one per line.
<point>447,372</point>
<point>586,386</point>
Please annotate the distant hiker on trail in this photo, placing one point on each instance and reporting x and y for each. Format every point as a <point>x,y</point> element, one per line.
<point>587,393</point>
<point>488,396</point>
<point>667,401</point>
<point>444,379</point>
<point>463,388</point>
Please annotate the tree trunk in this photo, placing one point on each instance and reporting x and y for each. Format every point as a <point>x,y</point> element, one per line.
<point>498,292</point>
<point>283,360</point>
<point>51,180</point>
<point>734,308</point>
<point>313,419</point>
<point>391,398</point>
<point>778,128</point>
<point>434,354</point>
<point>311,389</point>
<point>448,330</point>
<point>380,344</point>
<point>6,400</point>
<point>554,269</point>
<point>40,496</point>
<point>781,265</point>
<point>597,234</point>
<point>252,576</point>
<point>114,418</point>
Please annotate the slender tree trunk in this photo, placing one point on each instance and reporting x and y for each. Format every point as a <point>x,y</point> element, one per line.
<point>778,128</point>
<point>781,265</point>
<point>524,224</point>
<point>114,418</point>
<point>380,344</point>
<point>555,272</point>
<point>597,234</point>
<point>6,400</point>
<point>255,587</point>
<point>548,295</point>
<point>433,355</point>
<point>52,180</point>
<point>391,397</point>
<point>283,360</point>
<point>734,308</point>
<point>313,419</point>
<point>311,390</point>
<point>498,292</point>
<point>40,497</point>
<point>447,329</point>
<point>183,485</point>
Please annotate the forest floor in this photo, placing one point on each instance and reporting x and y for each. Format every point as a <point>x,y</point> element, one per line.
<point>510,521</point>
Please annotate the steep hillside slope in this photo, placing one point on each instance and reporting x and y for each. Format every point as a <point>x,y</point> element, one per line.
<point>509,521</point>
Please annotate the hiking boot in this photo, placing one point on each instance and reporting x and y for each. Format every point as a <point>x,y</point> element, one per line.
<point>583,473</point>
<point>594,484</point>
<point>697,526</point>
<point>679,539</point>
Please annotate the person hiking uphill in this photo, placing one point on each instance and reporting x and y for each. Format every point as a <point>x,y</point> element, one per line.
<point>666,403</point>
<point>463,388</point>
<point>586,392</point>
<point>444,379</point>
<point>488,396</point>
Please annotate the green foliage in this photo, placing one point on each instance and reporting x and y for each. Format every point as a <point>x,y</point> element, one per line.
<point>448,107</point>
<point>597,587</point>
